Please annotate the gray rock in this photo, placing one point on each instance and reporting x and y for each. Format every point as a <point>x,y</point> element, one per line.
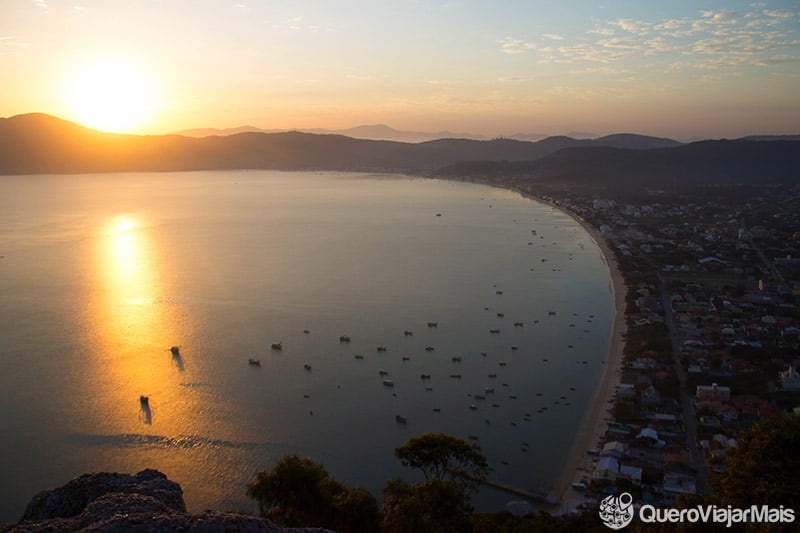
<point>147,502</point>
<point>71,499</point>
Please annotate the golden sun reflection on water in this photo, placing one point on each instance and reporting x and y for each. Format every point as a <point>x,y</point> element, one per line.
<point>131,331</point>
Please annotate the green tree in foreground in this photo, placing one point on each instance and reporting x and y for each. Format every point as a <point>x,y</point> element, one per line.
<point>299,492</point>
<point>434,506</point>
<point>763,468</point>
<point>441,503</point>
<point>443,457</point>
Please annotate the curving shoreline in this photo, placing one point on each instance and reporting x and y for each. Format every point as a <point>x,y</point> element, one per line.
<point>593,426</point>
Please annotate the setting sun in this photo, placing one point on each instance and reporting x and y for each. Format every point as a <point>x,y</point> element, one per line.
<point>110,96</point>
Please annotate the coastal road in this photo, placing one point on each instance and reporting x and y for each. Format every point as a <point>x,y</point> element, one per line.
<point>771,267</point>
<point>696,456</point>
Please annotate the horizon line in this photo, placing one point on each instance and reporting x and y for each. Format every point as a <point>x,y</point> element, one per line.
<point>316,130</point>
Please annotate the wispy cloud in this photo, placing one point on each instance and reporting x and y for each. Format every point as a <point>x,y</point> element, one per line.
<point>776,60</point>
<point>10,45</point>
<point>620,42</point>
<point>512,45</point>
<point>601,31</point>
<point>659,45</point>
<point>553,36</point>
<point>606,53</point>
<point>719,17</point>
<point>607,70</point>
<point>633,26</point>
<point>783,14</point>
<point>523,77</point>
<point>712,40</point>
<point>299,23</point>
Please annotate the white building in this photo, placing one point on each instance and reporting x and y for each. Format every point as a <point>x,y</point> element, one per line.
<point>790,379</point>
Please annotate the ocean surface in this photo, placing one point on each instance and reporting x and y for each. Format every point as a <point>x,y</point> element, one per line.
<point>101,274</point>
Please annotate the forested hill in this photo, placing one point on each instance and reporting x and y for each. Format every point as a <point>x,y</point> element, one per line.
<point>708,162</point>
<point>37,143</point>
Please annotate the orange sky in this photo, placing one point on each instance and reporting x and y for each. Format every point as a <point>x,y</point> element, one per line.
<point>681,70</point>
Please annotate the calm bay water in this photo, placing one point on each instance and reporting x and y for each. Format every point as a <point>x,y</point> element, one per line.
<point>101,274</point>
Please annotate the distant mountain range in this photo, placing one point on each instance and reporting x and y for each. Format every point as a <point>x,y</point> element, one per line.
<point>382,132</point>
<point>37,143</point>
<point>702,163</point>
<point>375,132</point>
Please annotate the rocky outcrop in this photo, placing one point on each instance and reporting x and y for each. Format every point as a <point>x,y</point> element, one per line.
<point>112,502</point>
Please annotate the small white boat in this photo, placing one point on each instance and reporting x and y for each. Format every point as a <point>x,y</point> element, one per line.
<point>380,348</point>
<point>401,419</point>
<point>254,362</point>
<point>473,407</point>
<point>388,383</point>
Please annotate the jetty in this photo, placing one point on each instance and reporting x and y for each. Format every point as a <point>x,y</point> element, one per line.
<point>533,495</point>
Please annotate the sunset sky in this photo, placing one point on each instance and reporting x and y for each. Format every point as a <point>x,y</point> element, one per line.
<point>679,69</point>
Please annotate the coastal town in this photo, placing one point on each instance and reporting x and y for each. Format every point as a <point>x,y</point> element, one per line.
<point>711,333</point>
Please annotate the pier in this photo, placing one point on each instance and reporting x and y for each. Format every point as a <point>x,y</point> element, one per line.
<point>533,495</point>
<point>537,496</point>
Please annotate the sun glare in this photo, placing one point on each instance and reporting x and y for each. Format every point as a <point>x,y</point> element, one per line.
<point>110,96</point>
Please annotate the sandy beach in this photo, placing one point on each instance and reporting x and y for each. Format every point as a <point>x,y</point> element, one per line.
<point>594,424</point>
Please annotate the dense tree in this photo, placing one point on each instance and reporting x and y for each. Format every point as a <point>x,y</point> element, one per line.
<point>443,457</point>
<point>436,505</point>
<point>299,492</point>
<point>356,511</point>
<point>441,503</point>
<point>763,468</point>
